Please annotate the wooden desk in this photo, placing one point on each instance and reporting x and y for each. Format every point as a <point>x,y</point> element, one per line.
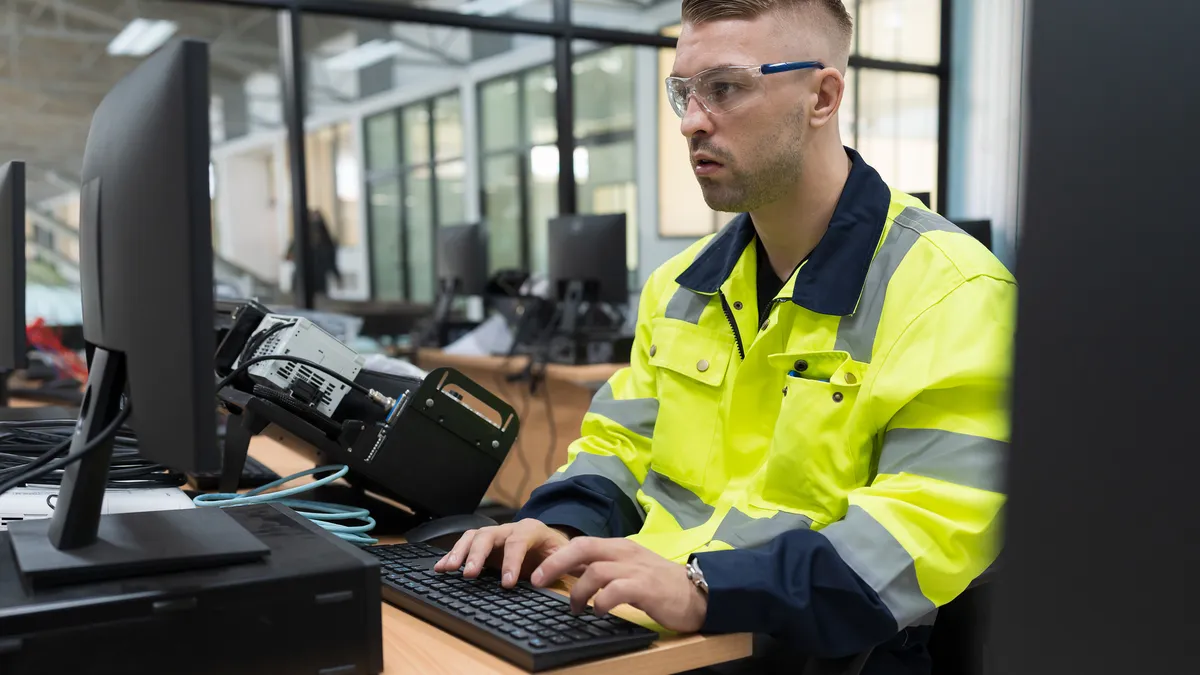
<point>411,645</point>
<point>550,418</point>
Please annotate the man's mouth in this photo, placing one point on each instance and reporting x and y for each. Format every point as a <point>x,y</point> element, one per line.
<point>705,166</point>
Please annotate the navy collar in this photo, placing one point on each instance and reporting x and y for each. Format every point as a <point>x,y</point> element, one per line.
<point>832,279</point>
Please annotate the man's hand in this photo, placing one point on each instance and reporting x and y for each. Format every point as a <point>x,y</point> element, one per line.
<point>516,548</point>
<point>619,571</point>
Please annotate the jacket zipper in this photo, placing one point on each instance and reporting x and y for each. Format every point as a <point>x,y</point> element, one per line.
<point>732,324</point>
<point>767,314</point>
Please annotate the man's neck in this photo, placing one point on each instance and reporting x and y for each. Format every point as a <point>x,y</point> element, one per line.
<point>791,228</point>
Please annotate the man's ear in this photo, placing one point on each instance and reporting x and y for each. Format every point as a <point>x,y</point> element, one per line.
<point>829,97</point>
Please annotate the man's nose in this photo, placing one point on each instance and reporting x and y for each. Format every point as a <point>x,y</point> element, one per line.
<point>695,119</point>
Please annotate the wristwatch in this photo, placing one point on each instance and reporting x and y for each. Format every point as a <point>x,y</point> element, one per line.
<point>696,576</point>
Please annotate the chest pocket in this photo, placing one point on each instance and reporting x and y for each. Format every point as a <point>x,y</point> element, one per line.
<point>814,455</point>
<point>690,363</point>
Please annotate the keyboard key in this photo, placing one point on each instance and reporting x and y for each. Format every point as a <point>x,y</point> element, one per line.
<point>525,612</point>
<point>593,631</point>
<point>545,632</point>
<point>537,643</point>
<point>560,640</point>
<point>549,623</point>
<point>590,618</point>
<point>577,635</point>
<point>467,611</point>
<point>523,623</point>
<point>519,634</point>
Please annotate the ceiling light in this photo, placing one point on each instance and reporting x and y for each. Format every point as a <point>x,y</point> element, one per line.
<point>366,54</point>
<point>141,37</point>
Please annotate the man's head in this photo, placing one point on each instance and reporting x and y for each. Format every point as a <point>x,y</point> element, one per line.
<point>751,154</point>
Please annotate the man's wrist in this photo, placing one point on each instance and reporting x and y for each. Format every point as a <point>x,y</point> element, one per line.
<point>566,531</point>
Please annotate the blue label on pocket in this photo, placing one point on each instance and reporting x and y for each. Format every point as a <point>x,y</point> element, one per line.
<point>797,375</point>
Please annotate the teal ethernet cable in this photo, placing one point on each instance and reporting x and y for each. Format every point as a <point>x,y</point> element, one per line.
<point>324,515</point>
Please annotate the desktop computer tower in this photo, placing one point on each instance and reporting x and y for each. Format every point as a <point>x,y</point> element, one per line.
<point>312,605</point>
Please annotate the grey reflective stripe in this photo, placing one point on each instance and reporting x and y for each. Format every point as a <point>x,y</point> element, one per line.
<point>856,333</point>
<point>878,559</point>
<point>962,459</point>
<point>741,531</point>
<point>686,305</point>
<point>635,414</point>
<point>686,507</point>
<point>608,466</point>
<point>927,620</point>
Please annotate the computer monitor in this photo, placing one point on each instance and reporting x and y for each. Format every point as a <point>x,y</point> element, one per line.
<point>12,273</point>
<point>462,268</point>
<point>146,268</point>
<point>462,262</point>
<point>587,262</point>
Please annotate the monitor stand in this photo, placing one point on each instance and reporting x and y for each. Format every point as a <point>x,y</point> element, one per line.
<point>447,291</point>
<point>77,545</point>
<point>573,321</point>
<point>4,387</point>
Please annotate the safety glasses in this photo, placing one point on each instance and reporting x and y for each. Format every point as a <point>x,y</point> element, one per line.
<point>725,88</point>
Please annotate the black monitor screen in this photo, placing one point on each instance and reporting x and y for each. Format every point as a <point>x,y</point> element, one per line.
<point>591,250</point>
<point>146,260</point>
<point>12,266</point>
<point>463,258</point>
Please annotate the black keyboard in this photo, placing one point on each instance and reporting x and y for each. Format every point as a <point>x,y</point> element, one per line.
<point>254,474</point>
<point>528,626</point>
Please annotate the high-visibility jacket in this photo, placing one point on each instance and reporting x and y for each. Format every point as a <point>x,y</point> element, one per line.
<point>834,466</point>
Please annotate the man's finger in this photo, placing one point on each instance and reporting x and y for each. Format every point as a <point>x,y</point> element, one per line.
<point>515,549</point>
<point>481,548</point>
<point>581,551</point>
<point>597,576</point>
<point>619,592</point>
<point>453,559</point>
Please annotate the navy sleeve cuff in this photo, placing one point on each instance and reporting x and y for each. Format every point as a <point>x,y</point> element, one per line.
<point>796,588</point>
<point>594,505</point>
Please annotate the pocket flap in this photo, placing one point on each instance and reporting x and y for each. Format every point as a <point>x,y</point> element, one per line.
<point>835,367</point>
<point>699,353</point>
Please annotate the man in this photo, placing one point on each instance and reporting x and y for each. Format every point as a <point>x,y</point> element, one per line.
<point>808,442</point>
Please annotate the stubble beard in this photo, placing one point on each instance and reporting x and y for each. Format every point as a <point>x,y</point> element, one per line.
<point>777,166</point>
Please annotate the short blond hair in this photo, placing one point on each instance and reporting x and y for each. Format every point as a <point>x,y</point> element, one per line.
<point>704,11</point>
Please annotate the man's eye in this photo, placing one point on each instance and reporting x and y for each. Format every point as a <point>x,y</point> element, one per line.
<point>720,90</point>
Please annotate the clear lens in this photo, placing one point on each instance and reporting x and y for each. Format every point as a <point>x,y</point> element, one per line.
<point>719,90</point>
<point>724,89</point>
<point>677,94</point>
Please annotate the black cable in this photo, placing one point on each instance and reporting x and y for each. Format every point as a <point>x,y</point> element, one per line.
<point>294,359</point>
<point>553,430</point>
<point>34,473</point>
<point>259,339</point>
<point>37,462</point>
<point>526,467</point>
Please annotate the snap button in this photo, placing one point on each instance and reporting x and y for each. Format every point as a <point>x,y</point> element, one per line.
<point>737,304</point>
<point>837,397</point>
<point>653,350</point>
<point>801,366</point>
<point>702,365</point>
<point>850,378</point>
